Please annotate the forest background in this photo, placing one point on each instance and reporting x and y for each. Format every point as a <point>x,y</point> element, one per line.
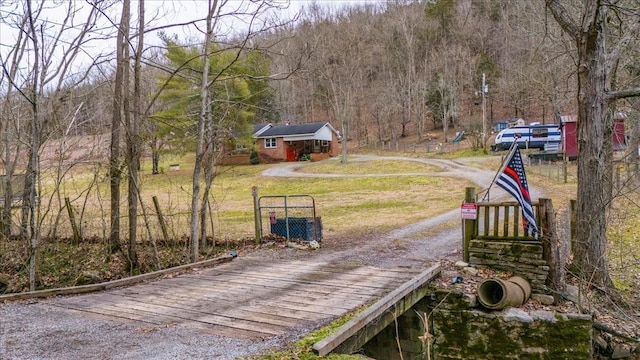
<point>380,72</point>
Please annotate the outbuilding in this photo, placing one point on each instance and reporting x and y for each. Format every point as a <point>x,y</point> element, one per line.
<point>569,125</point>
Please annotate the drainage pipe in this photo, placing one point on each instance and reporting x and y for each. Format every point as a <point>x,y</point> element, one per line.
<point>496,294</point>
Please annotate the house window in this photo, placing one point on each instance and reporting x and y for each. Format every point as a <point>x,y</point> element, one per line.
<point>270,143</point>
<point>325,146</point>
<point>320,146</point>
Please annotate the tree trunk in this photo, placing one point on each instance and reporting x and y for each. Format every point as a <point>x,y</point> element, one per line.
<point>594,140</point>
<point>119,97</point>
<point>595,157</point>
<point>12,147</point>
<point>208,166</point>
<point>205,108</point>
<point>345,128</point>
<point>29,224</point>
<point>155,158</point>
<point>133,145</point>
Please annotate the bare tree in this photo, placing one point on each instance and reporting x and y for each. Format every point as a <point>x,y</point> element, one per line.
<point>213,130</point>
<point>44,85</point>
<point>597,52</point>
<point>11,123</point>
<point>336,68</point>
<point>212,10</point>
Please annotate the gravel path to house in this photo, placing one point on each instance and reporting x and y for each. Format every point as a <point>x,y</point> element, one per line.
<point>37,329</point>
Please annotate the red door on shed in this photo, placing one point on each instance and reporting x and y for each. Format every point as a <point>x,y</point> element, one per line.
<point>569,137</point>
<point>618,135</point>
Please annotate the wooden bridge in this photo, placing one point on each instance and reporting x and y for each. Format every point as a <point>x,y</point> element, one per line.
<point>251,298</point>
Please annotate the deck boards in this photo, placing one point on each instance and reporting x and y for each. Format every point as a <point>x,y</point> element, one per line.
<point>246,298</point>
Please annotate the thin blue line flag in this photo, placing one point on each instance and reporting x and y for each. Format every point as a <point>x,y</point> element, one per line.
<point>514,181</point>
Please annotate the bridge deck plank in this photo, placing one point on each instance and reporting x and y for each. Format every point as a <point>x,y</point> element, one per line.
<point>246,298</point>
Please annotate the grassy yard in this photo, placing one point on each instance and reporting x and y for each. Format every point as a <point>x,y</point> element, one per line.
<point>385,201</point>
<point>366,200</point>
<point>348,206</point>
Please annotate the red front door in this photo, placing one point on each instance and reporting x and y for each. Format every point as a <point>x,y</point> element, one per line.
<point>291,154</point>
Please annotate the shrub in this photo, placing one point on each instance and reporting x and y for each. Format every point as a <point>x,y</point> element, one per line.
<point>254,159</point>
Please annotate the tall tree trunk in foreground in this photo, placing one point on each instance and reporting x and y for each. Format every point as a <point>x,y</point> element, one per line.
<point>205,108</point>
<point>119,98</point>
<point>133,145</point>
<point>29,197</point>
<point>594,134</point>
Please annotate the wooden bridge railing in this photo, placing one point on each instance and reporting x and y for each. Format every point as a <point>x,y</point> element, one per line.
<point>502,221</point>
<point>498,221</point>
<point>495,237</point>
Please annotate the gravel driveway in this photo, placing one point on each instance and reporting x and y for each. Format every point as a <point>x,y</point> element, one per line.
<point>37,329</point>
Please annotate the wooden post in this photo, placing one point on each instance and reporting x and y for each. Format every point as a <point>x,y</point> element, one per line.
<point>72,218</point>
<point>163,225</point>
<point>551,248</point>
<point>256,215</point>
<point>573,205</point>
<point>469,226</point>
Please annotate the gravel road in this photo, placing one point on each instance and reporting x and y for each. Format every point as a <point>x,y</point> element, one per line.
<point>38,329</point>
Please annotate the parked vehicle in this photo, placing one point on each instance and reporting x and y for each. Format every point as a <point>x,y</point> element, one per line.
<point>528,136</point>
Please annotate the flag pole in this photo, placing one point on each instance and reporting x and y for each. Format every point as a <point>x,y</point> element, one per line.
<point>506,160</point>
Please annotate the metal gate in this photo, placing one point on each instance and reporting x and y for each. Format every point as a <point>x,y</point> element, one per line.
<point>289,216</point>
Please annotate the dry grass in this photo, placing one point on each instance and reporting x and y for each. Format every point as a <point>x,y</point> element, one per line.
<point>385,201</point>
<point>348,206</point>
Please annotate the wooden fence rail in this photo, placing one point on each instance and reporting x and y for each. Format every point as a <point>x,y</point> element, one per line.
<point>499,221</point>
<point>496,237</point>
<point>502,221</point>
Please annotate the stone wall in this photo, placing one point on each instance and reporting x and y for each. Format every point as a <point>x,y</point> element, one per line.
<point>459,329</point>
<point>462,331</point>
<point>522,258</point>
<point>510,334</point>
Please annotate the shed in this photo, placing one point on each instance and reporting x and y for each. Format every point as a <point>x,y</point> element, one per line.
<point>619,140</point>
<point>569,127</point>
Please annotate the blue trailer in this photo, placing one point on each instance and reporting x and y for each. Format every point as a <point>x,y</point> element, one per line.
<point>528,136</point>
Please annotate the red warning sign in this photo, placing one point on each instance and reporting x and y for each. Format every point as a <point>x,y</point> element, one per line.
<point>469,211</point>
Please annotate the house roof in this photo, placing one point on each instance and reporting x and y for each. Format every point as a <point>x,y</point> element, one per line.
<point>298,132</point>
<point>260,128</point>
<point>297,129</point>
<point>568,118</point>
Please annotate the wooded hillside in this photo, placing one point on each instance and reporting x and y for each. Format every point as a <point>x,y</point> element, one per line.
<point>403,67</point>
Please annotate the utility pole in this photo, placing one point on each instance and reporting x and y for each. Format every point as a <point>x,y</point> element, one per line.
<point>485,89</point>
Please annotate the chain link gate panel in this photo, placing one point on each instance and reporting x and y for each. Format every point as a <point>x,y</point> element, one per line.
<point>290,216</point>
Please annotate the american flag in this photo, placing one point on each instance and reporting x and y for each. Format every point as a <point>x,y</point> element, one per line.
<point>514,181</point>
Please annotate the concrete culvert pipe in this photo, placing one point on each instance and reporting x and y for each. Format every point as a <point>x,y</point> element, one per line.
<point>496,294</point>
